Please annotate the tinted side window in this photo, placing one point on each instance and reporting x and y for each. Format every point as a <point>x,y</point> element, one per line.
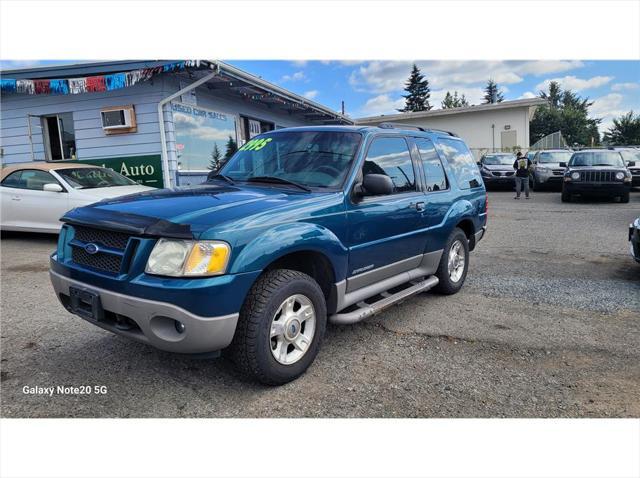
<point>461,161</point>
<point>390,156</point>
<point>35,180</point>
<point>13,180</point>
<point>433,170</point>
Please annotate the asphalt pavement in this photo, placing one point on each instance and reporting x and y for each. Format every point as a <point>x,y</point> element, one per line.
<point>547,325</point>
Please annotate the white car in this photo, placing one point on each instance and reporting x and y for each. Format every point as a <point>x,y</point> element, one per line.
<point>33,196</point>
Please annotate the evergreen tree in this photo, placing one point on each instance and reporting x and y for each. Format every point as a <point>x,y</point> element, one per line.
<point>492,93</point>
<point>418,91</point>
<point>568,113</point>
<point>454,101</point>
<point>231,148</point>
<point>625,130</point>
<point>216,156</point>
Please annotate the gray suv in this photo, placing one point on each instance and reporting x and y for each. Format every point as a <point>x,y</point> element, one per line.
<point>632,155</point>
<point>546,170</point>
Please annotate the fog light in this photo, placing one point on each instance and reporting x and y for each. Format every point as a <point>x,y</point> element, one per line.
<point>179,326</point>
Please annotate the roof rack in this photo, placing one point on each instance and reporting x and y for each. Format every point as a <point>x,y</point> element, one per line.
<point>388,125</point>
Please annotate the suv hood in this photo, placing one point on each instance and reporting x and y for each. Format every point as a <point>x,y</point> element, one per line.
<point>187,211</point>
<point>499,167</point>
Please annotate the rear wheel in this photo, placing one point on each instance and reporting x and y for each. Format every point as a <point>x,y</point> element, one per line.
<point>454,263</point>
<point>281,327</point>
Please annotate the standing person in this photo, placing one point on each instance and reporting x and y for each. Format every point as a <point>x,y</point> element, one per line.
<point>522,165</point>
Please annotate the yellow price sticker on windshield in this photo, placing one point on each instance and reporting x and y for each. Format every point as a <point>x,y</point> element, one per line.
<point>255,144</point>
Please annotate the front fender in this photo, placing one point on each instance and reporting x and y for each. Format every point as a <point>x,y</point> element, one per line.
<point>288,238</point>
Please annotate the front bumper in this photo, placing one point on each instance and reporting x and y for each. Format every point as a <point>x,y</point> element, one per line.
<point>152,322</point>
<point>499,180</point>
<point>596,189</point>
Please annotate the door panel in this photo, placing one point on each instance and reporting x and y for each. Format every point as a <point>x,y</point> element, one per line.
<point>438,196</point>
<point>42,209</point>
<point>385,236</point>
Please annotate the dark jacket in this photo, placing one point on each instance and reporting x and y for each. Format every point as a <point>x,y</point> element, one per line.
<point>522,165</point>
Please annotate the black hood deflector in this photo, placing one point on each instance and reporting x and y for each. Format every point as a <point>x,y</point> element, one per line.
<point>134,224</point>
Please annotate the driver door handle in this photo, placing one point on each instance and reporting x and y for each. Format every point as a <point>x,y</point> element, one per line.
<point>419,206</point>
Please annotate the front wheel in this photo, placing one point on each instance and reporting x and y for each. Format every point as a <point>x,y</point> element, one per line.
<point>280,328</point>
<point>454,263</point>
<point>566,197</point>
<point>625,197</point>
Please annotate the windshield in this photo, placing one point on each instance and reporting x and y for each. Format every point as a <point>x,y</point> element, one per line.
<point>499,159</point>
<point>631,155</point>
<point>596,158</point>
<point>308,158</point>
<point>554,157</point>
<point>90,178</point>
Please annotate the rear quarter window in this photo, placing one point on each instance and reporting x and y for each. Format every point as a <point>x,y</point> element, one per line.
<point>461,161</point>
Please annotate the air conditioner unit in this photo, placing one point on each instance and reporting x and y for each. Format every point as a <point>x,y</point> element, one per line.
<point>121,118</point>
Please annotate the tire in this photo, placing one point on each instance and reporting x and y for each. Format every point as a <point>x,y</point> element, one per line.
<point>252,344</point>
<point>625,197</point>
<point>448,285</point>
<point>536,185</point>
<point>566,197</point>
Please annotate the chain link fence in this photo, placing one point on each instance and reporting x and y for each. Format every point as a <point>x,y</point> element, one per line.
<point>551,141</point>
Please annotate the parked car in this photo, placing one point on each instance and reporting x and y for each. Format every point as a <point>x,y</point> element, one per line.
<point>596,172</point>
<point>634,239</point>
<point>545,168</point>
<point>632,155</point>
<point>497,169</point>
<point>300,226</point>
<point>35,195</point>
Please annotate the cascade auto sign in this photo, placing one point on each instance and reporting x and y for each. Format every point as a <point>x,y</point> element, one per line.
<point>146,170</point>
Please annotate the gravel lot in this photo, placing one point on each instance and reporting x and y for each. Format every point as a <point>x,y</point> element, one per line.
<point>548,325</point>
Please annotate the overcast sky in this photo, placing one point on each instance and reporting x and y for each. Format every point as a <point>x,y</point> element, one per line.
<point>375,87</point>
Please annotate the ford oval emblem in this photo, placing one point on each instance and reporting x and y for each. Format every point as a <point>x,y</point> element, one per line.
<point>91,248</point>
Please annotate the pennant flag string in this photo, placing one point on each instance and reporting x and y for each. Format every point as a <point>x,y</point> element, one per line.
<point>75,86</point>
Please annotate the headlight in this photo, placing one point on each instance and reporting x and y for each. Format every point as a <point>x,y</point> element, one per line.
<point>619,175</point>
<point>172,257</point>
<point>575,175</point>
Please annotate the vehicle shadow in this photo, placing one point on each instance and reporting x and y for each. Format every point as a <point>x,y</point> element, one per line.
<point>37,237</point>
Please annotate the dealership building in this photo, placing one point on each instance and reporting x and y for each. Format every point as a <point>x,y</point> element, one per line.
<point>489,127</point>
<point>161,123</point>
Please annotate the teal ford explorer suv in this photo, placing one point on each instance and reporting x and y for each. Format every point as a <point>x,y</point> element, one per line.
<point>300,227</point>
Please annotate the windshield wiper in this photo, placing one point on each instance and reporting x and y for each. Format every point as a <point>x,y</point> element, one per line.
<point>273,179</point>
<point>603,164</point>
<point>223,177</point>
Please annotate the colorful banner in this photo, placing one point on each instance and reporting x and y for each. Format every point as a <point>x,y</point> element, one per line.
<point>75,86</point>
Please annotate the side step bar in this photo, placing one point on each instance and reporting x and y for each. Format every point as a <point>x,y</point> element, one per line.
<point>365,310</point>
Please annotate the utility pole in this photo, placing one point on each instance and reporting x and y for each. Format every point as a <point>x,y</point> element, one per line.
<point>342,109</point>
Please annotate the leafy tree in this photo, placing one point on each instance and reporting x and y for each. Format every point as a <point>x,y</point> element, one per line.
<point>454,101</point>
<point>568,113</point>
<point>625,130</point>
<point>418,91</point>
<point>216,157</point>
<point>492,93</point>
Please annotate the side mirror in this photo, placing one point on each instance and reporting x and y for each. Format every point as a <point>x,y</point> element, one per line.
<point>52,188</point>
<point>479,163</point>
<point>631,163</point>
<point>563,164</point>
<point>377,184</point>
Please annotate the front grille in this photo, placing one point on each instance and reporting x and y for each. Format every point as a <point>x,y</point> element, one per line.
<point>112,239</point>
<point>597,176</point>
<point>558,172</point>
<point>104,262</point>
